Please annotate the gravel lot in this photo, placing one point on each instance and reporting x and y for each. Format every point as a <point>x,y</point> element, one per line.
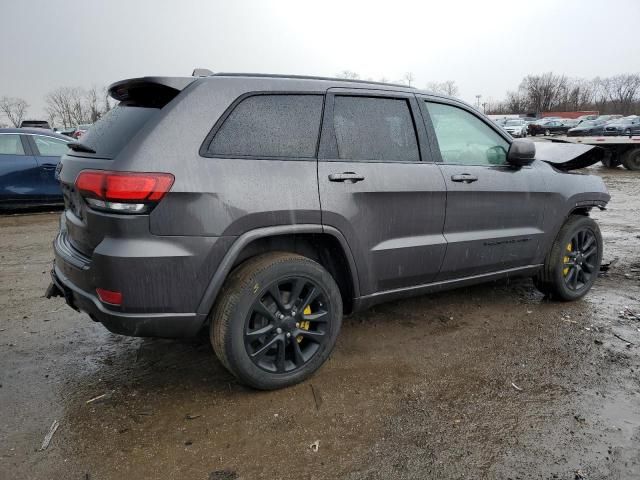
<point>492,381</point>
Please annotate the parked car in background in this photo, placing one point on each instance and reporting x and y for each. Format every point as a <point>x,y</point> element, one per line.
<point>28,160</point>
<point>587,117</point>
<point>35,124</point>
<point>587,128</point>
<point>67,131</point>
<point>516,128</point>
<point>570,122</point>
<point>547,127</point>
<point>168,230</point>
<point>608,118</point>
<point>623,126</point>
<point>80,130</point>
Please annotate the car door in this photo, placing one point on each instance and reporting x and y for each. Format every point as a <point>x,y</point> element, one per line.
<point>19,173</point>
<point>379,187</point>
<point>47,151</point>
<point>495,212</point>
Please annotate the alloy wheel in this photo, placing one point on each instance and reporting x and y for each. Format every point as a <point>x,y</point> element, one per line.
<point>287,324</point>
<point>580,260</point>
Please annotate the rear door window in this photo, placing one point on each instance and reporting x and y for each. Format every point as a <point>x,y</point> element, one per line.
<point>109,135</point>
<point>11,144</point>
<point>374,129</point>
<point>270,126</point>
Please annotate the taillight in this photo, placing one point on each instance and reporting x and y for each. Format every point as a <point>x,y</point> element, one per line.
<point>123,192</point>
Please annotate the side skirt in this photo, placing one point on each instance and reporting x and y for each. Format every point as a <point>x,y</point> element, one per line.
<point>364,302</point>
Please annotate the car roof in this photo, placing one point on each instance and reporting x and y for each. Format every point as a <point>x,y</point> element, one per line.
<point>35,131</point>
<point>118,90</point>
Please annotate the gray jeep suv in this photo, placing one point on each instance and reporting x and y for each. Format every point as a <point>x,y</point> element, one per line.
<point>263,207</point>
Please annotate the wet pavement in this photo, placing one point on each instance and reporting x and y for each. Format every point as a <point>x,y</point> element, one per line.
<point>492,381</point>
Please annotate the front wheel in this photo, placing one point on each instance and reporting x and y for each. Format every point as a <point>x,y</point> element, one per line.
<point>276,320</point>
<point>573,263</point>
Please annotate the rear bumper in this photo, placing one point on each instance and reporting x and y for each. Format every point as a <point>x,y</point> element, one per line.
<point>168,325</point>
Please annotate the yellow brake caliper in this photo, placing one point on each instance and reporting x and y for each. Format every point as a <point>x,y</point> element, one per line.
<point>305,323</point>
<point>565,270</point>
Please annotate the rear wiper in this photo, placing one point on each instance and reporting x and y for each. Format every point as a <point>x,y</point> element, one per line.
<point>79,147</point>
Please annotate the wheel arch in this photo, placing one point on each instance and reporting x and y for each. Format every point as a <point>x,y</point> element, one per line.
<point>325,245</point>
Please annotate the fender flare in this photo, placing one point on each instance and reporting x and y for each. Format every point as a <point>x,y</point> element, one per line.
<point>219,277</point>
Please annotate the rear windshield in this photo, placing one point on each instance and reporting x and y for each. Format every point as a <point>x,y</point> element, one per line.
<point>109,135</point>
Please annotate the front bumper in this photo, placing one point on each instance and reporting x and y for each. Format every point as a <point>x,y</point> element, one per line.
<point>168,325</point>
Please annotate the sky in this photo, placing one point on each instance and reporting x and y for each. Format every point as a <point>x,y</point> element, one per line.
<point>487,46</point>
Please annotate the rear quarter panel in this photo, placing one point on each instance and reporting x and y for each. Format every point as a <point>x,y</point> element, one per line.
<point>220,196</point>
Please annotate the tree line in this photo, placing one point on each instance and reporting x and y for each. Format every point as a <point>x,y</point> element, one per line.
<point>550,92</point>
<point>448,87</point>
<point>70,106</point>
<point>66,107</point>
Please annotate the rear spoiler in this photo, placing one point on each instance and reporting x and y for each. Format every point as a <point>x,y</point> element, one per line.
<point>148,91</point>
<point>567,155</point>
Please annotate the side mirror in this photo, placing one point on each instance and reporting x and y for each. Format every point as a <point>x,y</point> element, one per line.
<point>521,153</point>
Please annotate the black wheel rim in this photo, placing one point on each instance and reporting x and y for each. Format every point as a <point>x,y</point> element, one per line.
<point>287,325</point>
<point>580,260</point>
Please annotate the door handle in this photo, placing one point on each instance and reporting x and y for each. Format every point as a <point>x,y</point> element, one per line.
<point>350,177</point>
<point>464,178</point>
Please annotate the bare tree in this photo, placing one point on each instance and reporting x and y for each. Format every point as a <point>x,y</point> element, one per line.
<point>70,106</point>
<point>348,75</point>
<point>14,109</point>
<point>622,91</point>
<point>408,78</point>
<point>447,87</point>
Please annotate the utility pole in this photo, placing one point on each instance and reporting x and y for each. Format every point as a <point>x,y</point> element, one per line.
<point>478,97</point>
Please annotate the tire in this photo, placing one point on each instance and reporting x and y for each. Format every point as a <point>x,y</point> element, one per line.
<point>609,162</point>
<point>631,159</point>
<point>556,279</point>
<point>547,132</point>
<point>627,132</point>
<point>247,304</point>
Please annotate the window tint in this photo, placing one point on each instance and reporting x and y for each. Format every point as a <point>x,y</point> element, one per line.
<point>49,146</point>
<point>374,129</point>
<point>465,139</point>
<point>271,126</point>
<point>11,145</point>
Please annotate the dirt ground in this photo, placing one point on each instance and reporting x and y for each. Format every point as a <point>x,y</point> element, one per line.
<point>492,381</point>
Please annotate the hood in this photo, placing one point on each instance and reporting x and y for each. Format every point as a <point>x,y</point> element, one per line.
<point>568,156</point>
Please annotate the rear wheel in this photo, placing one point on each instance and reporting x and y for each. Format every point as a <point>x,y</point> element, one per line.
<point>631,159</point>
<point>276,320</point>
<point>573,263</point>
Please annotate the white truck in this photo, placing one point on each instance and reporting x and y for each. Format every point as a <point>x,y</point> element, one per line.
<point>617,150</point>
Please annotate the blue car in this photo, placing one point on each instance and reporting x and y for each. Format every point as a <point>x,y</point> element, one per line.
<point>28,161</point>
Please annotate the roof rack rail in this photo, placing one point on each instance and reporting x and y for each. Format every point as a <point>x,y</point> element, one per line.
<point>305,77</point>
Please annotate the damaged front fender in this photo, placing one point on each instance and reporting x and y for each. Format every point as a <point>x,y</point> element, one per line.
<point>568,156</point>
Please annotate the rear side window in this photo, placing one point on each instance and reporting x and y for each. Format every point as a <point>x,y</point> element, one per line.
<point>49,146</point>
<point>11,145</point>
<point>270,126</point>
<point>369,128</point>
<point>109,135</point>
